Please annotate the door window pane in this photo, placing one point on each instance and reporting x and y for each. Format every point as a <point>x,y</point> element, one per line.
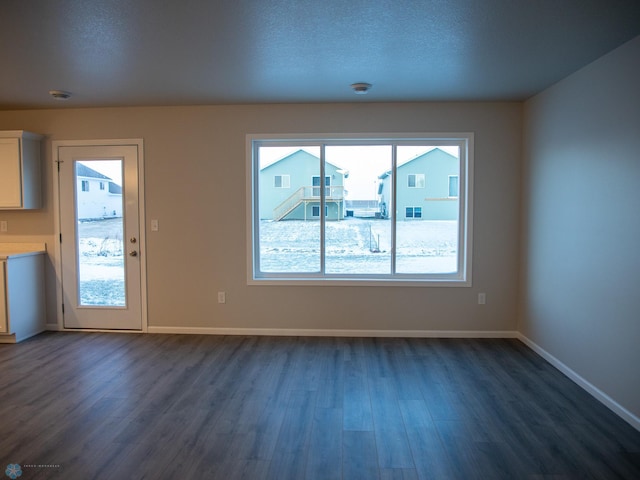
<point>99,216</point>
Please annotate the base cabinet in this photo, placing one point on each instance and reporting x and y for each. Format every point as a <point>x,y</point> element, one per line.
<point>22,299</point>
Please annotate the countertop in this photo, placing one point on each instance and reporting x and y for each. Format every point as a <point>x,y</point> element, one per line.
<point>12,250</point>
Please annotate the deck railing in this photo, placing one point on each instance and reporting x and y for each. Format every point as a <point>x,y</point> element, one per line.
<point>307,194</point>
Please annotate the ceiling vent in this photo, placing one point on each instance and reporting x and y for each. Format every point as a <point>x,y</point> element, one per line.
<point>60,94</point>
<point>361,88</point>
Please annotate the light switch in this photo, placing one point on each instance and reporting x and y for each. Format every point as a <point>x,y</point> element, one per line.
<point>4,227</point>
<point>154,225</point>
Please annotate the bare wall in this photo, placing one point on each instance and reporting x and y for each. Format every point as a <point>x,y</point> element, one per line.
<point>195,186</point>
<point>581,299</point>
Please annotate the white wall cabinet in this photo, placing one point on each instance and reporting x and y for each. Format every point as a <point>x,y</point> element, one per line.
<point>20,186</point>
<point>22,299</point>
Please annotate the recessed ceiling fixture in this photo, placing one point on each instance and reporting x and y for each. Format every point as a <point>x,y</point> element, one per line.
<point>60,94</point>
<point>361,88</point>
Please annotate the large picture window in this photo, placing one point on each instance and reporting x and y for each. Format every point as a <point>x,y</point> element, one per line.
<point>382,223</point>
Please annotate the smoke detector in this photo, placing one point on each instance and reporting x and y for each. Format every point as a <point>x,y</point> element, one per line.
<point>60,94</point>
<point>361,88</point>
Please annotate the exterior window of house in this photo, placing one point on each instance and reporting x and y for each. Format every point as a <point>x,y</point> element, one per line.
<point>282,181</point>
<point>453,185</point>
<point>363,183</point>
<point>415,180</point>
<point>315,181</point>
<point>413,212</point>
<point>85,185</point>
<point>316,211</point>
<point>101,185</point>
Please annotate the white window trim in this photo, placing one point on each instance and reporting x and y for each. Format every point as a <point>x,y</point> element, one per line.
<point>285,181</point>
<point>413,211</point>
<point>313,207</point>
<point>421,184</point>
<point>465,186</point>
<point>327,186</point>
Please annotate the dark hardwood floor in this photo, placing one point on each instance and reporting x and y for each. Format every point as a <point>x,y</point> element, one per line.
<point>119,406</point>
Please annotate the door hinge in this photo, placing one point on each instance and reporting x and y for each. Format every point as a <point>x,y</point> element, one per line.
<point>60,238</point>
<point>63,308</point>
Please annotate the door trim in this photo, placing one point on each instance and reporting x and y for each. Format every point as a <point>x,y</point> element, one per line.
<point>55,145</point>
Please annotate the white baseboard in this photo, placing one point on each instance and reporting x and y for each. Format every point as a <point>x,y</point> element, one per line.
<point>303,332</point>
<point>594,391</point>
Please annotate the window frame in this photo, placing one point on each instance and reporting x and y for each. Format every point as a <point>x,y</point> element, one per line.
<point>318,188</point>
<point>414,210</point>
<point>283,177</point>
<point>416,184</point>
<point>313,211</point>
<point>461,278</point>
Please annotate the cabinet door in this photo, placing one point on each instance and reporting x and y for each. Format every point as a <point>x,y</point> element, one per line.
<point>11,178</point>
<point>4,314</point>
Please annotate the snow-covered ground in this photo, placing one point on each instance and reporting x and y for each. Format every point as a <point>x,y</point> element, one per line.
<point>358,246</point>
<point>101,263</point>
<point>354,246</point>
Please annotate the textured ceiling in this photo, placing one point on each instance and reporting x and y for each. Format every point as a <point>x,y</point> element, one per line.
<point>185,52</point>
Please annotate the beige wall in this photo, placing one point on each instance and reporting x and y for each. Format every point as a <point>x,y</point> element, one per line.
<point>195,186</point>
<point>581,293</point>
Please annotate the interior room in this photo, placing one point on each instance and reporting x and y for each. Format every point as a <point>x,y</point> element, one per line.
<point>550,95</point>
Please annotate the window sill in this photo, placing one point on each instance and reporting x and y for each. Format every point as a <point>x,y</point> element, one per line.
<point>355,282</point>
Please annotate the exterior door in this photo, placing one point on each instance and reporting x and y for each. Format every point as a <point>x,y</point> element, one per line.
<point>101,256</point>
<point>315,183</point>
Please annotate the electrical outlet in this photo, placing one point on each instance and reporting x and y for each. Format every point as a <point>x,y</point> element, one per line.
<point>482,298</point>
<point>222,297</point>
<point>4,228</point>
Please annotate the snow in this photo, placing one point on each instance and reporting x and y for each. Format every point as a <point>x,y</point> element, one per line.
<point>101,263</point>
<point>359,246</point>
<point>353,246</point>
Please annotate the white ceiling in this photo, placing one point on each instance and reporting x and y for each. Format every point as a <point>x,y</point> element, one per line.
<point>185,52</point>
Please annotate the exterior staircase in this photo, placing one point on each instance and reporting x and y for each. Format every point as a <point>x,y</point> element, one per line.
<point>306,195</point>
<point>289,205</point>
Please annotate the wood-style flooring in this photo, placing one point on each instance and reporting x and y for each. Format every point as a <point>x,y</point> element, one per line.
<point>126,406</point>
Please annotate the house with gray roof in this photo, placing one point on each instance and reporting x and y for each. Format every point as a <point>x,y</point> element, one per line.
<point>290,189</point>
<point>428,188</point>
<point>98,196</point>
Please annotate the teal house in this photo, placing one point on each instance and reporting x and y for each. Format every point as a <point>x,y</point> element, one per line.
<point>428,188</point>
<point>290,189</point>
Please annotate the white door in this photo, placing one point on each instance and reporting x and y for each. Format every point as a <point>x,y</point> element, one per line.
<point>101,254</point>
<point>3,300</point>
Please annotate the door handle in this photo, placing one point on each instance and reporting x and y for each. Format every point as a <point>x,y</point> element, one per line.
<point>133,253</point>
